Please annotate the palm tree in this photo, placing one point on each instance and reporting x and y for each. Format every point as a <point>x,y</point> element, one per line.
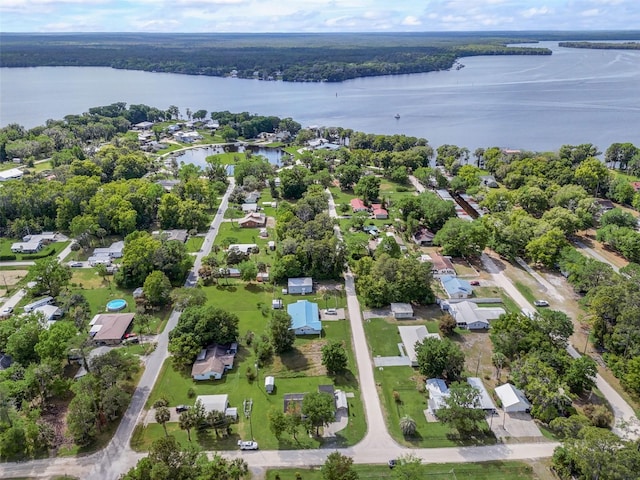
<point>163,415</point>
<point>238,468</point>
<point>187,422</point>
<point>408,426</point>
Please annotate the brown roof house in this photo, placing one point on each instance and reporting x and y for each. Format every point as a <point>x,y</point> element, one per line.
<point>110,328</point>
<point>253,220</point>
<point>213,361</point>
<point>442,265</point>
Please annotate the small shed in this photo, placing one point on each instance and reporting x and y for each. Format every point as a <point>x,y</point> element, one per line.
<point>269,384</point>
<point>276,303</point>
<point>402,310</point>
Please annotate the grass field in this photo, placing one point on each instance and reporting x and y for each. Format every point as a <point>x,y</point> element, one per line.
<point>443,471</point>
<point>299,371</point>
<point>51,250</point>
<point>194,244</point>
<point>382,332</point>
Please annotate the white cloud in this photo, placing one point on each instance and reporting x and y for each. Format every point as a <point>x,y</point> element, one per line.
<point>593,12</point>
<point>535,12</point>
<point>410,20</point>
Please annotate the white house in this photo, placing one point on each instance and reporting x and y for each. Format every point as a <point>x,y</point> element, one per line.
<point>31,246</point>
<point>468,315</point>
<point>11,174</point>
<point>438,393</point>
<point>116,250</point>
<point>512,399</point>
<point>410,335</point>
<point>300,285</point>
<point>38,303</point>
<point>217,403</point>
<point>402,310</point>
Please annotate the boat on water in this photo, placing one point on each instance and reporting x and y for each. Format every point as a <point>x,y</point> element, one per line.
<point>397,116</point>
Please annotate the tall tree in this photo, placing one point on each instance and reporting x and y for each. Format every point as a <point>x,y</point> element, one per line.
<point>338,467</point>
<point>280,332</point>
<point>439,358</point>
<point>319,409</point>
<point>334,358</point>
<point>51,276</point>
<point>162,416</point>
<point>461,409</point>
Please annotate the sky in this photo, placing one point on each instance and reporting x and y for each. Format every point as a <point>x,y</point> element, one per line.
<point>257,16</point>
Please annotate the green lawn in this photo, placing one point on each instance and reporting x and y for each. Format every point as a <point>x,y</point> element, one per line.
<point>194,244</point>
<point>381,332</point>
<point>383,339</point>
<point>296,372</point>
<point>441,471</point>
<point>47,251</point>
<point>525,291</point>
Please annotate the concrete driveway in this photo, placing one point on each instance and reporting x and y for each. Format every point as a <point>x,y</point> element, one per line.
<point>518,425</point>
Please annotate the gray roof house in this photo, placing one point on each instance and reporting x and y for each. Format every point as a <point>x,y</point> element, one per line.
<point>468,315</point>
<point>300,285</point>
<point>402,310</point>
<point>485,401</point>
<point>411,335</point>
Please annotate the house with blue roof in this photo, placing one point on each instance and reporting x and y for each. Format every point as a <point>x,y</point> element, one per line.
<point>456,287</point>
<point>305,318</point>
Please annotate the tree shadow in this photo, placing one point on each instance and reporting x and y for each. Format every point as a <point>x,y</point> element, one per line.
<point>254,288</point>
<point>294,360</point>
<point>226,288</point>
<point>346,379</point>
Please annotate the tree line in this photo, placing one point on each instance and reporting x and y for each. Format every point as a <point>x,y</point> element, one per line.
<point>296,58</point>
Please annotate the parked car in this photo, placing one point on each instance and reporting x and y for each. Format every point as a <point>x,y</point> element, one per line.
<point>331,311</point>
<point>75,264</point>
<point>475,283</point>
<point>6,311</point>
<point>181,408</point>
<point>541,303</point>
<point>247,445</point>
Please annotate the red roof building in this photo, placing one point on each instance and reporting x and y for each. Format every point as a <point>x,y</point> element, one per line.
<point>358,205</point>
<point>636,186</point>
<point>379,212</point>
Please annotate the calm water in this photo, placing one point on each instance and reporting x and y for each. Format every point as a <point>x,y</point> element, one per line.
<point>198,156</point>
<point>539,103</point>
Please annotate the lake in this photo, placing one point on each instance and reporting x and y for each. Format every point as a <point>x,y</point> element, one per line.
<point>529,102</point>
<point>198,155</point>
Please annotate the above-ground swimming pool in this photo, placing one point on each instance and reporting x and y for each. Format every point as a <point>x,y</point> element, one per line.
<point>116,305</point>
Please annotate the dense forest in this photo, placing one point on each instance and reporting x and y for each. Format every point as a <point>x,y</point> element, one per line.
<point>602,45</point>
<point>296,58</point>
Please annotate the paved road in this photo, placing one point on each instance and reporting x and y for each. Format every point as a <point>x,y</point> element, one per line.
<point>15,299</point>
<point>592,253</point>
<point>623,413</point>
<point>376,447</point>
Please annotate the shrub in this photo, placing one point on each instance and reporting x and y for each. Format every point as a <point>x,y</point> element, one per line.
<point>191,393</point>
<point>6,258</point>
<point>251,374</point>
<point>396,397</point>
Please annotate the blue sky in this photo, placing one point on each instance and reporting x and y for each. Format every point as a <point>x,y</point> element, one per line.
<point>315,15</point>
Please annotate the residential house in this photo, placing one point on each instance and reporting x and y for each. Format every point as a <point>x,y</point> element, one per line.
<point>441,265</point>
<point>243,247</point>
<point>264,233</point>
<point>512,399</point>
<point>99,260</point>
<point>300,285</point>
<point>342,404</point>
<point>485,401</point>
<point>456,287</point>
<point>249,207</point>
<point>76,355</point>
<point>410,335</point>
<point>358,205</point>
<point>605,205</point>
<point>143,126</point>
<point>49,314</point>
<point>472,317</point>
<point>438,393</point>
<point>116,250</point>
<point>253,220</point>
<point>252,197</point>
<point>179,235</point>
<point>305,318</point>
<point>187,137</point>
<point>218,403</point>
<point>262,277</point>
<point>45,237</point>
<point>30,307</point>
<point>401,310</point>
<point>11,174</point>
<point>27,247</point>
<point>423,237</point>
<point>379,213</point>
<point>213,361</point>
<point>488,181</point>
<point>110,328</point>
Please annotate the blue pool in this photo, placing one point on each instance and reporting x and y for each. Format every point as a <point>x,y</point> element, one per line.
<point>116,305</point>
